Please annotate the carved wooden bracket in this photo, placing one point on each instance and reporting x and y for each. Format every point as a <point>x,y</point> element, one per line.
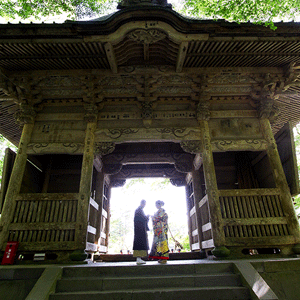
<point>192,147</point>
<point>26,114</point>
<point>91,112</point>
<point>112,169</point>
<point>104,148</point>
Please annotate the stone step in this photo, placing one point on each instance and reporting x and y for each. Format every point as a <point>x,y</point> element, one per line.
<point>146,282</point>
<point>149,269</point>
<point>207,293</point>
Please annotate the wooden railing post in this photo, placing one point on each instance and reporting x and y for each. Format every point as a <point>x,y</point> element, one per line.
<point>26,116</point>
<point>280,179</point>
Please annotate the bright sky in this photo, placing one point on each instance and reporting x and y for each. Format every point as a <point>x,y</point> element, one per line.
<point>125,200</point>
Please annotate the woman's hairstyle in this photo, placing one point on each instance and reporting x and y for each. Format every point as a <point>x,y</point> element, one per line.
<point>159,202</point>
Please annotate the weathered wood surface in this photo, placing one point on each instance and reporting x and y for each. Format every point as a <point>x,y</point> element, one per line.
<point>85,186</point>
<point>280,179</point>
<point>249,192</point>
<point>197,196</point>
<point>41,246</point>
<point>47,196</point>
<point>43,226</point>
<point>261,241</point>
<point>14,184</point>
<point>211,186</point>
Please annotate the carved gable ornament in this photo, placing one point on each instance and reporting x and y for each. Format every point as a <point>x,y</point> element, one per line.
<point>146,36</point>
<point>129,3</point>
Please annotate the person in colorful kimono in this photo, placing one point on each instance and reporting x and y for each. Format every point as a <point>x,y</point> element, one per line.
<point>140,242</point>
<point>160,248</point>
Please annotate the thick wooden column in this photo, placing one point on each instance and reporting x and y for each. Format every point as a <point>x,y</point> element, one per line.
<point>197,197</point>
<point>280,179</point>
<point>15,182</point>
<point>212,191</point>
<point>85,186</point>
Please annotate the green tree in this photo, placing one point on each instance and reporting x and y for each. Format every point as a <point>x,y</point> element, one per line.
<point>266,11</point>
<point>235,10</point>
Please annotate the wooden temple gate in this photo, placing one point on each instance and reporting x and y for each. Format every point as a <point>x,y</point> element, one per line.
<point>148,93</point>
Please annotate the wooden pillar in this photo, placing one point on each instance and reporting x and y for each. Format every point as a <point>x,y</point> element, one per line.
<point>85,186</point>
<point>212,191</point>
<point>188,216</point>
<point>280,179</point>
<point>197,197</point>
<point>15,182</point>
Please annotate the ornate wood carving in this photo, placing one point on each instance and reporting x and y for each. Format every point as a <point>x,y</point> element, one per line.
<point>91,112</point>
<point>104,148</point>
<point>61,148</point>
<point>147,36</point>
<point>239,145</point>
<point>193,147</point>
<point>25,115</point>
<point>203,112</point>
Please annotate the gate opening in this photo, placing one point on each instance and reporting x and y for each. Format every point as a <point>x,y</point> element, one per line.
<point>126,199</point>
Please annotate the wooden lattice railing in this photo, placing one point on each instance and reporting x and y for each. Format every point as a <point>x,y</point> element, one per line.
<point>254,216</point>
<point>41,219</point>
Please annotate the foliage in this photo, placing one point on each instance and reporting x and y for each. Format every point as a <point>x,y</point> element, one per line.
<point>25,9</point>
<point>266,11</point>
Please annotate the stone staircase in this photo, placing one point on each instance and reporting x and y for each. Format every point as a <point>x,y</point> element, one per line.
<point>151,281</point>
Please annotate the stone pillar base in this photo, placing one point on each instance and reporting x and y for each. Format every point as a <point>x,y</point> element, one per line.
<point>78,255</point>
<point>221,251</point>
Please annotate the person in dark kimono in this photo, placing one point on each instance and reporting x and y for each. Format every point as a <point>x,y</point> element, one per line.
<point>140,242</point>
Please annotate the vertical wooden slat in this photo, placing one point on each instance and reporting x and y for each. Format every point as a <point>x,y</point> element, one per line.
<point>17,211</point>
<point>66,208</point>
<point>21,211</point>
<point>52,211</point>
<point>48,207</point>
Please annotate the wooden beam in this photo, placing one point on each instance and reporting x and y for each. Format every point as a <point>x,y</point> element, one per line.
<point>203,201</point>
<point>249,192</point>
<point>181,56</point>
<point>41,246</point>
<point>261,241</point>
<point>111,57</point>
<point>254,221</point>
<point>91,247</point>
<point>206,227</point>
<point>42,226</point>
<point>208,244</point>
<point>195,232</point>
<point>192,211</point>
<point>91,229</point>
<point>195,246</point>
<point>94,203</point>
<point>47,196</point>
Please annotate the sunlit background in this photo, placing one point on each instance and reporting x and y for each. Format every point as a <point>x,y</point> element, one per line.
<point>125,200</point>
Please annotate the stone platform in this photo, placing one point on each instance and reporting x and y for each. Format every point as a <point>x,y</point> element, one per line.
<point>184,279</point>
